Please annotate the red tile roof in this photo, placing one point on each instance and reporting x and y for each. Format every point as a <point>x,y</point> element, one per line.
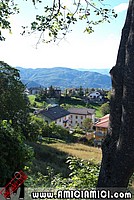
<point>103,122</point>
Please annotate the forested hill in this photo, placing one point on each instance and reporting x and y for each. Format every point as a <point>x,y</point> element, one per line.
<point>64,78</point>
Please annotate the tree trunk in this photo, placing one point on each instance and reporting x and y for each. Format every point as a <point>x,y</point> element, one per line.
<point>118,148</point>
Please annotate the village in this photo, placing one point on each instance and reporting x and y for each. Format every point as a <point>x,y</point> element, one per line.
<point>85,118</point>
<point>67,99</point>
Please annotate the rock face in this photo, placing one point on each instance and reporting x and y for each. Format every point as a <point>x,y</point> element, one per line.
<point>118,149</point>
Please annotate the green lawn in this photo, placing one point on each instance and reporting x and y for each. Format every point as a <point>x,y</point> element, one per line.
<point>31,98</point>
<point>98,112</point>
<point>35,103</point>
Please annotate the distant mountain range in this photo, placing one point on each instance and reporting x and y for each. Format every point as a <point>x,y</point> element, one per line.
<point>101,71</point>
<point>63,78</point>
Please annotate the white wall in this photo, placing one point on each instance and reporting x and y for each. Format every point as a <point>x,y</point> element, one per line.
<point>77,119</point>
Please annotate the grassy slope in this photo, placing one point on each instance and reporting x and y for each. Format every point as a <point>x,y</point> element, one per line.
<point>79,150</point>
<point>55,156</point>
<point>32,101</point>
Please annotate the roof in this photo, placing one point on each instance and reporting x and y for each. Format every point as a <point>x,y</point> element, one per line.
<point>103,122</point>
<point>54,113</point>
<point>81,111</point>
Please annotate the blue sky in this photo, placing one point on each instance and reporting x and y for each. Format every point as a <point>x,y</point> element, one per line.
<point>79,50</point>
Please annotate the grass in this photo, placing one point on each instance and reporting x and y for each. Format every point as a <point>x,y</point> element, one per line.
<point>79,150</point>
<point>47,156</point>
<point>32,101</point>
<point>97,111</point>
<point>31,98</point>
<point>54,155</point>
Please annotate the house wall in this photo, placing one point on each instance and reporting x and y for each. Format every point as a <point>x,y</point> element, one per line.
<point>61,121</point>
<point>35,91</point>
<point>46,119</point>
<point>94,95</point>
<point>103,131</point>
<point>64,121</point>
<point>77,119</point>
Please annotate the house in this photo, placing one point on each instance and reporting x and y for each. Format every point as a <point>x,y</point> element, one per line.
<point>54,92</point>
<point>77,115</point>
<point>56,114</point>
<point>26,91</point>
<point>35,90</point>
<point>96,96</point>
<point>101,128</point>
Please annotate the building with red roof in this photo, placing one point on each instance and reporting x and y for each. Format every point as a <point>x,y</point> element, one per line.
<point>101,128</point>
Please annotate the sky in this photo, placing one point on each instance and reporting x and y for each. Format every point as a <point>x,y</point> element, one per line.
<point>78,50</point>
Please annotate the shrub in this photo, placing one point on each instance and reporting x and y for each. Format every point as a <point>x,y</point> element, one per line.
<point>105,109</point>
<point>84,174</point>
<point>15,154</point>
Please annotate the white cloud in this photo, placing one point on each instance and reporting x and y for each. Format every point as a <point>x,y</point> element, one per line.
<point>121,7</point>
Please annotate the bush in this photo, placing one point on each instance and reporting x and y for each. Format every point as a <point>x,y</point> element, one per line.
<point>15,154</point>
<point>56,131</point>
<point>105,109</point>
<point>83,175</point>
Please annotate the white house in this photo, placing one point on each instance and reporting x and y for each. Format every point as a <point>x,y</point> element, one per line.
<point>95,95</point>
<point>35,90</point>
<point>77,115</point>
<point>56,114</point>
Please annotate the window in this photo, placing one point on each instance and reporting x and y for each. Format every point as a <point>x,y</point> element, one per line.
<point>76,117</point>
<point>59,120</point>
<point>81,117</point>
<point>71,116</point>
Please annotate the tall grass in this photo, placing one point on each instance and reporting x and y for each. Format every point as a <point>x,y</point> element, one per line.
<point>55,155</point>
<point>79,150</point>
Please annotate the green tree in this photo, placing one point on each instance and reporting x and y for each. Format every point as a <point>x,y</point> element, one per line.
<point>15,154</point>
<point>7,8</point>
<point>87,124</point>
<point>13,120</point>
<point>58,17</point>
<point>14,102</point>
<point>109,94</point>
<point>51,92</point>
<point>34,128</point>
<point>86,91</point>
<point>105,109</point>
<point>80,92</point>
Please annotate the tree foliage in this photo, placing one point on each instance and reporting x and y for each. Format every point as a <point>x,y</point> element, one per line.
<point>15,154</point>
<point>7,8</point>
<point>59,16</point>
<point>13,119</point>
<point>14,103</point>
<point>87,124</point>
<point>105,109</point>
<point>84,174</point>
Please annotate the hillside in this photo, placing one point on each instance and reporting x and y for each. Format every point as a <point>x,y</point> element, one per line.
<point>101,71</point>
<point>64,78</point>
